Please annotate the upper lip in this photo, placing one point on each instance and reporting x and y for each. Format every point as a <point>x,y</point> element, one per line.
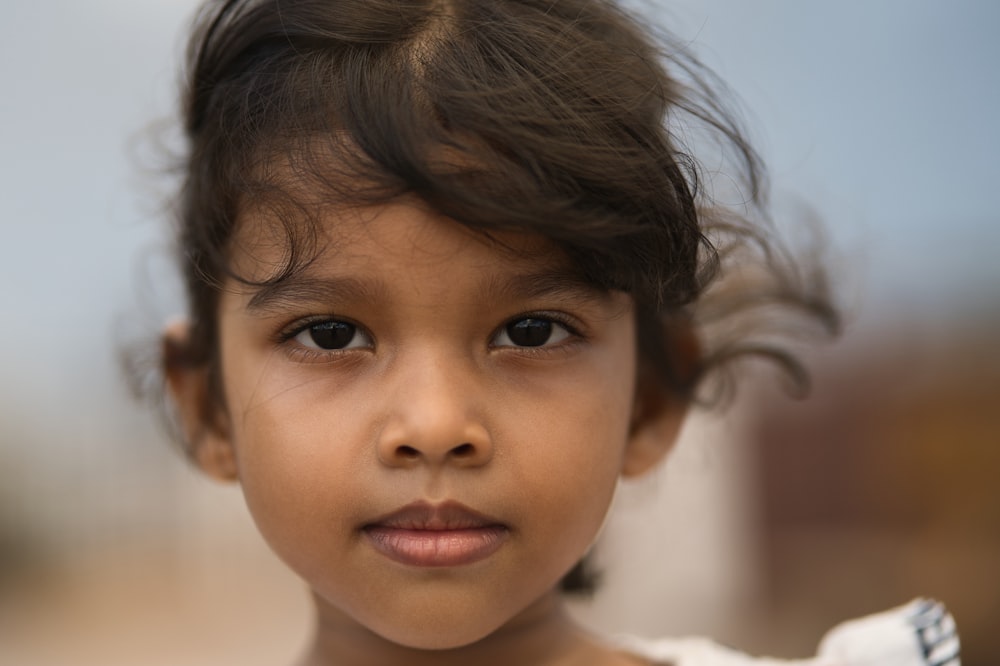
<point>424,515</point>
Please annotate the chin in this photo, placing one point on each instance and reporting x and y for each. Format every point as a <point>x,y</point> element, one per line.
<point>435,638</point>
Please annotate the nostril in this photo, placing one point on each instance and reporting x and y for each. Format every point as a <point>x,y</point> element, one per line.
<point>463,450</point>
<point>407,452</point>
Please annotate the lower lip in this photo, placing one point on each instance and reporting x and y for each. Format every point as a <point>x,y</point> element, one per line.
<point>437,548</point>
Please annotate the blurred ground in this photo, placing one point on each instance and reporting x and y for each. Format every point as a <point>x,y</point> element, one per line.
<point>206,592</point>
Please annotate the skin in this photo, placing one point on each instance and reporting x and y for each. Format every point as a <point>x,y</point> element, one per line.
<point>432,400</point>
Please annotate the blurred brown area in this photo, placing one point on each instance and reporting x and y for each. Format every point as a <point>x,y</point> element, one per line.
<point>886,486</point>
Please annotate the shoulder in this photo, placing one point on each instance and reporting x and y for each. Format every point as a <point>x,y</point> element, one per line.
<point>689,652</point>
<point>921,633</point>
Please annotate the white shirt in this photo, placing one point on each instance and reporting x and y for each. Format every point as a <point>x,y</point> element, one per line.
<point>921,633</point>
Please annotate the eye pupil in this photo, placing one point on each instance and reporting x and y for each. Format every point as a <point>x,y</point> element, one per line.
<point>530,332</point>
<point>332,334</point>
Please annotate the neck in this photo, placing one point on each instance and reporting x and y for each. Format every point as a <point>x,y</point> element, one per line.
<point>543,635</point>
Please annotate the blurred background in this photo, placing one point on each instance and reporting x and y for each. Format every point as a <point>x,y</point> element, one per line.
<point>771,522</point>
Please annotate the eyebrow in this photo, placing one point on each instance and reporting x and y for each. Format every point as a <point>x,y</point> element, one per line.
<point>561,282</point>
<point>299,289</point>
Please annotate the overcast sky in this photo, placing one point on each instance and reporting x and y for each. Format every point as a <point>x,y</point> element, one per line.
<point>880,113</point>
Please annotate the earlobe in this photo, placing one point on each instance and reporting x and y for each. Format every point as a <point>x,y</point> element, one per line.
<point>206,436</point>
<point>214,456</point>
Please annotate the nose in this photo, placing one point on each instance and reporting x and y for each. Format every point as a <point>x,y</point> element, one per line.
<point>434,417</point>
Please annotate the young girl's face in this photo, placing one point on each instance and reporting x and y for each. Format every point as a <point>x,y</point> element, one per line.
<point>428,426</point>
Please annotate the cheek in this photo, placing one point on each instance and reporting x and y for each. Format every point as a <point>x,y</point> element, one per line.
<point>304,433</point>
<point>299,452</point>
<point>303,485</point>
<point>569,453</point>
<point>579,468</point>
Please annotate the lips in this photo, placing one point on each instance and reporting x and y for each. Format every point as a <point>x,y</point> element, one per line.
<point>422,534</point>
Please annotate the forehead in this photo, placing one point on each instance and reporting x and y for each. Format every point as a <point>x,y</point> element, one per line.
<point>273,242</point>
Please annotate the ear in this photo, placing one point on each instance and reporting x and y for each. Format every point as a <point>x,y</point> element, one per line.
<point>654,433</point>
<point>659,412</point>
<point>202,424</point>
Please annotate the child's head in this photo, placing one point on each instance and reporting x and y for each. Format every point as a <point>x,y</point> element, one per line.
<point>436,252</point>
<point>545,117</point>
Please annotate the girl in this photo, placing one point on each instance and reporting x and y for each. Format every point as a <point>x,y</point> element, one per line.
<point>446,263</point>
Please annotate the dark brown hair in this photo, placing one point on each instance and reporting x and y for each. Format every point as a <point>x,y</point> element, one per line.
<point>558,117</point>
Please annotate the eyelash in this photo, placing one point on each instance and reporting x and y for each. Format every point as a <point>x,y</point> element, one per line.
<point>569,324</point>
<point>301,352</point>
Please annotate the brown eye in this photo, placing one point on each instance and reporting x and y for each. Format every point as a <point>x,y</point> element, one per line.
<point>332,335</point>
<point>531,332</point>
